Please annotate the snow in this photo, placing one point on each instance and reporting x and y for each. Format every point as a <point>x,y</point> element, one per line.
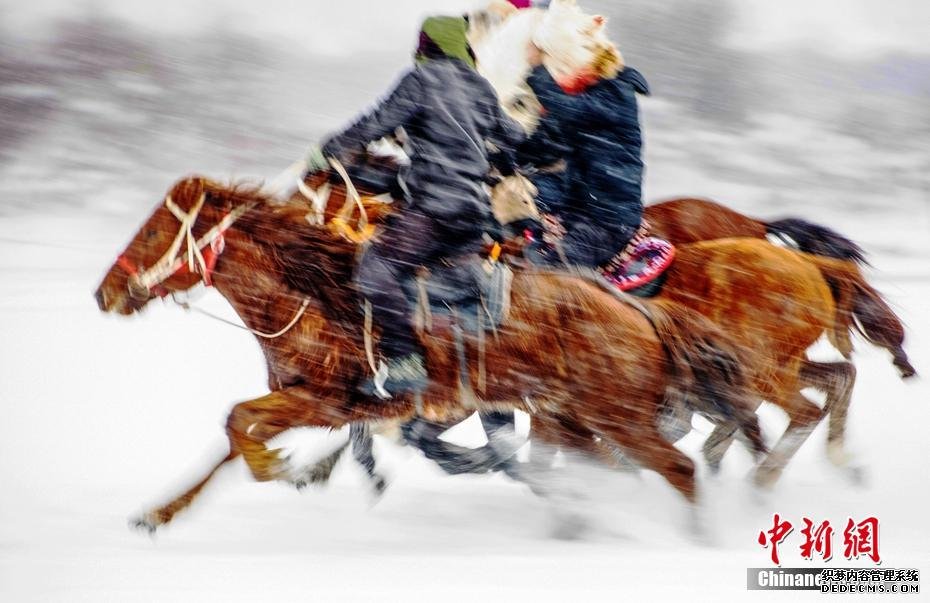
<point>104,417</point>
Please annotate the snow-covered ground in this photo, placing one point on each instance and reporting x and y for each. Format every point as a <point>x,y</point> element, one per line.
<point>103,417</point>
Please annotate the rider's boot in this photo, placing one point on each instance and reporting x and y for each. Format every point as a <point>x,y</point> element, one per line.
<point>397,376</point>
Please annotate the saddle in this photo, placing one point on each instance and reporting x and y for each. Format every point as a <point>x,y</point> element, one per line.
<point>638,269</point>
<point>473,293</point>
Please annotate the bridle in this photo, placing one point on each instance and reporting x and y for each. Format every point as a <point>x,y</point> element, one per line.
<point>201,254</point>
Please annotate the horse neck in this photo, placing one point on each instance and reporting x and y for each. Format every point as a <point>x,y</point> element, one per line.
<point>247,276</point>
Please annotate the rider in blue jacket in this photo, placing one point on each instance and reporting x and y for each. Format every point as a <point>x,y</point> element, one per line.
<point>601,207</point>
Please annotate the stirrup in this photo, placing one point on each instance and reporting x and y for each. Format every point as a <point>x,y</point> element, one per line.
<point>402,375</point>
<point>379,379</point>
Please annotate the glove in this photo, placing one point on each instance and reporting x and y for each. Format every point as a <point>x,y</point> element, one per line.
<point>316,160</point>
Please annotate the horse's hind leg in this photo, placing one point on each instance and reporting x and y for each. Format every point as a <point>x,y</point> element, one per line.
<point>836,380</point>
<point>804,415</point>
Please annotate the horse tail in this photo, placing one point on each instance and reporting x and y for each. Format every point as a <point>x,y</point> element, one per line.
<point>706,363</point>
<point>860,307</point>
<point>816,239</point>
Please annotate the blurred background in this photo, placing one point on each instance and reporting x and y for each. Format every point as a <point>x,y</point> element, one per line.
<point>819,108</point>
<point>814,108</point>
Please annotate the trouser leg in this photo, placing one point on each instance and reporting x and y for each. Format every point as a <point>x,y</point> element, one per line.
<point>593,245</point>
<point>408,241</point>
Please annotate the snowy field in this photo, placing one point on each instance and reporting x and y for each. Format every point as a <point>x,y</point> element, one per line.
<point>103,417</point>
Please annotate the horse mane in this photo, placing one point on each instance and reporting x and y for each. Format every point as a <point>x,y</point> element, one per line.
<point>308,258</point>
<point>501,52</point>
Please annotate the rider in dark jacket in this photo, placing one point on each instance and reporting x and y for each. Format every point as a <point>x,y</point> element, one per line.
<point>448,112</point>
<point>602,206</point>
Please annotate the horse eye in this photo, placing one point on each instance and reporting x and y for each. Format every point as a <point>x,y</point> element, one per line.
<point>150,234</point>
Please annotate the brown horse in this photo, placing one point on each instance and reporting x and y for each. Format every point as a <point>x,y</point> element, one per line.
<point>776,302</point>
<point>689,220</point>
<point>859,306</point>
<point>571,347</point>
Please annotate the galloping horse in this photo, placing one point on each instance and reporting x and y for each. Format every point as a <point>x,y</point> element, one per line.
<point>690,220</point>
<point>571,347</point>
<point>774,301</point>
<point>859,306</point>
<point>575,44</point>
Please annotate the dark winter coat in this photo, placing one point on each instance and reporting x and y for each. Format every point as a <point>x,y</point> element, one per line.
<point>601,130</point>
<point>448,111</point>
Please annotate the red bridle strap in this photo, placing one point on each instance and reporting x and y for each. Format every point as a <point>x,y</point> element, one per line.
<point>211,255</point>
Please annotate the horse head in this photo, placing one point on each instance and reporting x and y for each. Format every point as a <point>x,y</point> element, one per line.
<point>172,251</point>
<point>575,46</point>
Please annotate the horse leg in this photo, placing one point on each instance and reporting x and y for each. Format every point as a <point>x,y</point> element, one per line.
<point>151,520</point>
<point>836,380</point>
<point>361,438</point>
<point>320,471</point>
<point>719,441</point>
<point>804,415</point>
<point>717,444</point>
<point>248,427</point>
<point>639,437</point>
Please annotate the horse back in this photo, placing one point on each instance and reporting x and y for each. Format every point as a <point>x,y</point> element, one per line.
<point>689,220</point>
<point>768,296</point>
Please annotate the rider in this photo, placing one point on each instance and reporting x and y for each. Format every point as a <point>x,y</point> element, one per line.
<point>598,121</point>
<point>448,112</point>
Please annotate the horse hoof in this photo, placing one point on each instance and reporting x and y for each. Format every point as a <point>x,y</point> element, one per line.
<point>147,523</point>
<point>764,478</point>
<point>305,481</point>
<point>699,525</point>
<point>379,485</point>
<point>569,526</point>
<point>857,475</point>
<point>315,475</point>
<point>837,454</point>
<point>701,535</point>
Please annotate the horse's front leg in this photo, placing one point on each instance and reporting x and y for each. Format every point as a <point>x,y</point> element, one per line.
<point>152,520</point>
<point>252,423</point>
<point>361,438</point>
<point>249,426</point>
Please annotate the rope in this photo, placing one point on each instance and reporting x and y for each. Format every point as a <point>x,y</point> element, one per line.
<point>482,371</point>
<point>168,264</point>
<point>300,312</point>
<point>369,344</point>
<point>351,196</point>
<point>282,182</point>
<point>164,267</point>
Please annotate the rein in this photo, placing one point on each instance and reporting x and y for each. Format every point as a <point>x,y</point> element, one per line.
<point>201,255</point>
<point>300,312</point>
